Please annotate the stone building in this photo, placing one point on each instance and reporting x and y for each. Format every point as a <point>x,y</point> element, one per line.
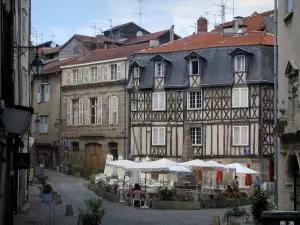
<point>207,96</point>
<point>288,104</point>
<point>94,106</point>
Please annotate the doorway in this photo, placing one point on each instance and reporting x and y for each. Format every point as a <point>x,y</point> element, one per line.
<point>113,148</point>
<point>94,157</point>
<point>292,177</point>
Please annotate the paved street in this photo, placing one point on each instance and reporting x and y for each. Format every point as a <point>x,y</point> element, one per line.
<point>73,192</point>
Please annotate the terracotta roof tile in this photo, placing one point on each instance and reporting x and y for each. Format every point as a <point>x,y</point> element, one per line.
<point>214,40</point>
<point>54,66</point>
<point>254,23</point>
<point>54,50</point>
<point>112,53</point>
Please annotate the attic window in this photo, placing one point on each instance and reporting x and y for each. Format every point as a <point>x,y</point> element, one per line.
<point>239,63</point>
<point>194,67</point>
<point>159,69</point>
<point>136,72</point>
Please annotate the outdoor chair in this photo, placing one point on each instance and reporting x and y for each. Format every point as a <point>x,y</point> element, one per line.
<point>136,197</point>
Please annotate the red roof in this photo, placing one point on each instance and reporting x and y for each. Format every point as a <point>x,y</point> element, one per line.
<point>54,50</point>
<point>45,50</point>
<point>214,40</point>
<point>145,37</point>
<point>112,53</point>
<point>253,22</point>
<point>55,66</point>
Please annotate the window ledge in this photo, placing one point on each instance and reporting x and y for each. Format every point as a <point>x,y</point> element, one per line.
<point>196,145</point>
<point>195,109</point>
<point>288,16</point>
<point>247,145</point>
<point>158,110</point>
<point>240,107</point>
<point>158,145</point>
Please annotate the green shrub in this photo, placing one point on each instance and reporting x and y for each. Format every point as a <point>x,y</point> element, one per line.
<point>166,194</point>
<point>101,169</point>
<point>236,211</point>
<point>115,188</point>
<point>94,212</point>
<point>260,203</point>
<point>77,168</point>
<point>47,189</point>
<point>92,179</point>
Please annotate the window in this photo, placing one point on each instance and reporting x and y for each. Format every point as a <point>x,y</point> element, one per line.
<point>24,28</point>
<point>240,136</point>
<point>136,72</point>
<point>289,6</point>
<point>158,135</point>
<point>159,69</point>
<point>240,97</point>
<point>43,126</point>
<point>196,136</point>
<point>75,76</point>
<point>45,79</point>
<point>75,111</point>
<point>75,146</point>
<point>43,94</point>
<point>195,100</point>
<point>194,67</point>
<point>94,74</point>
<point>113,110</point>
<point>93,104</point>
<point>113,72</point>
<point>133,101</point>
<point>239,62</point>
<point>159,101</point>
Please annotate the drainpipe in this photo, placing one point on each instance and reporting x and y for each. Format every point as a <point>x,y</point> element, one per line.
<point>262,134</point>
<point>60,122</point>
<point>275,101</point>
<point>20,82</point>
<point>125,155</point>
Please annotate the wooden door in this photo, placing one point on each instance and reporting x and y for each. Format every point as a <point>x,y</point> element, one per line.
<point>94,156</point>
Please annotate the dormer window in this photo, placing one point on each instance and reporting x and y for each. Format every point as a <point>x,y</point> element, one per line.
<point>240,63</point>
<point>194,67</point>
<point>159,69</point>
<point>136,73</point>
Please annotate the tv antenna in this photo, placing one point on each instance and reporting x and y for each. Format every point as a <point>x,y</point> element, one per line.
<point>96,29</point>
<point>223,10</point>
<point>195,27</point>
<point>214,15</point>
<point>140,13</point>
<point>53,36</point>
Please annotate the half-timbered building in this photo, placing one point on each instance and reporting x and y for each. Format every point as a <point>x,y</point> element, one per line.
<point>207,96</point>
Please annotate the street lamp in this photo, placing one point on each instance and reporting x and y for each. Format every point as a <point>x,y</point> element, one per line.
<point>56,125</point>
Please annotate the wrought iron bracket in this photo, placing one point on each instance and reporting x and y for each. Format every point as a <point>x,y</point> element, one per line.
<point>21,50</point>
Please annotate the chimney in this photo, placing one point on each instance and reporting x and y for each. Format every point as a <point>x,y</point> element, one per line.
<point>238,22</point>
<point>153,43</point>
<point>254,14</point>
<point>172,33</point>
<point>201,25</point>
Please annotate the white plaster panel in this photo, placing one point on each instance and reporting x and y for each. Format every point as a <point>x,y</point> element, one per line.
<point>144,142</point>
<point>208,139</point>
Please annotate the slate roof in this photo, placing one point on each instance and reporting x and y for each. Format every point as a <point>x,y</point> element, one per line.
<point>112,53</point>
<point>55,66</point>
<point>214,40</point>
<point>146,37</point>
<point>124,25</point>
<point>253,22</point>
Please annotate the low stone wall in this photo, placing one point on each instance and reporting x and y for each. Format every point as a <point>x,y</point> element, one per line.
<point>225,203</point>
<point>107,195</point>
<point>178,205</point>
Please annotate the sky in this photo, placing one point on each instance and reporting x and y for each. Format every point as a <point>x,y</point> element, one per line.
<point>64,18</point>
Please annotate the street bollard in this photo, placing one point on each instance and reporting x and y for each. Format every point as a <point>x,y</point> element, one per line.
<point>54,194</point>
<point>69,210</point>
<point>216,220</point>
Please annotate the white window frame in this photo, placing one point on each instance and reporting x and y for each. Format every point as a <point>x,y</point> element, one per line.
<point>189,100</point>
<point>74,122</point>
<point>195,131</point>
<point>43,127</point>
<point>94,75</point>
<point>161,95</point>
<point>75,77</point>
<point>160,73</point>
<point>159,129</point>
<point>96,111</point>
<point>136,72</point>
<point>240,102</point>
<point>113,72</point>
<point>191,67</point>
<point>240,136</point>
<point>236,63</point>
<point>289,4</point>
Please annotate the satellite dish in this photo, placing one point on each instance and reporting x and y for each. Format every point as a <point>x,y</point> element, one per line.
<point>139,33</point>
<point>52,45</point>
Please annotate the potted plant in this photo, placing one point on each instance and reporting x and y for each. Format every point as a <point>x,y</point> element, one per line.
<point>42,179</point>
<point>77,170</point>
<point>92,182</point>
<point>47,193</point>
<point>94,212</point>
<point>236,215</point>
<point>260,202</point>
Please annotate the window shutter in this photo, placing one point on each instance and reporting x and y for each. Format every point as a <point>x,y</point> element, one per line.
<point>119,71</point>
<point>236,135</point>
<point>69,112</point>
<point>47,93</point>
<point>105,68</point>
<point>123,71</point>
<point>110,110</point>
<point>236,97</point>
<point>45,124</point>
<point>99,110</point>
<point>108,73</point>
<point>85,74</point>
<point>155,136</point>
<point>38,97</point>
<point>161,136</point>
<point>80,122</point>
<point>99,75</point>
<point>155,101</point>
<point>161,101</point>
<point>244,97</point>
<point>69,77</point>
<point>244,135</point>
<point>116,109</point>
<point>79,76</point>
<point>86,111</point>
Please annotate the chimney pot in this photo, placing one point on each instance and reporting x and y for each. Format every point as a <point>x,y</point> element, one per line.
<point>202,25</point>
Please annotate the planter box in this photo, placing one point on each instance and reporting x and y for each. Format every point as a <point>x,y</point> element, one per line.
<point>107,195</point>
<point>47,197</point>
<point>185,205</point>
<point>225,203</point>
<point>234,220</point>
<point>76,174</point>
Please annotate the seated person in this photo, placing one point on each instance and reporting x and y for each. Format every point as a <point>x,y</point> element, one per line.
<point>229,189</point>
<point>235,184</point>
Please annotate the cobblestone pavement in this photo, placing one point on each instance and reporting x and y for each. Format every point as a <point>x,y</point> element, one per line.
<point>73,192</point>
